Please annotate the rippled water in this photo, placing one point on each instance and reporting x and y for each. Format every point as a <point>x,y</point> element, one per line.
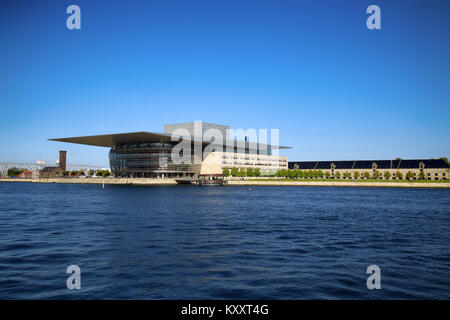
<point>189,242</point>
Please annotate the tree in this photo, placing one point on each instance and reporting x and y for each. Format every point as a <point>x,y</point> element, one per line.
<point>337,174</point>
<point>14,172</point>
<point>242,172</point>
<point>81,172</point>
<point>226,172</point>
<point>376,175</point>
<point>301,174</point>
<point>357,174</point>
<point>234,172</point>
<point>91,172</point>
<point>327,174</point>
<point>320,174</point>
<point>257,172</point>
<point>65,173</point>
<point>250,172</point>
<point>409,175</point>
<point>103,173</point>
<point>347,175</point>
<point>293,173</point>
<point>399,175</point>
<point>282,173</point>
<point>445,159</point>
<point>421,175</point>
<point>387,175</point>
<point>366,175</point>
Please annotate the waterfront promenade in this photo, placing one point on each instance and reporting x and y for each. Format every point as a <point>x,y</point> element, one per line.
<point>143,181</point>
<point>247,182</point>
<point>350,183</point>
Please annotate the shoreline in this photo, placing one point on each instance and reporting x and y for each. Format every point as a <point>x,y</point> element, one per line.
<point>124,181</point>
<point>150,181</point>
<point>363,184</point>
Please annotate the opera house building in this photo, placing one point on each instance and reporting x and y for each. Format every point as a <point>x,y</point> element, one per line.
<point>159,155</point>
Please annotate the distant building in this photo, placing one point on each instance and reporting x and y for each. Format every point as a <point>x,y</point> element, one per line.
<point>426,169</point>
<point>55,172</point>
<point>27,174</point>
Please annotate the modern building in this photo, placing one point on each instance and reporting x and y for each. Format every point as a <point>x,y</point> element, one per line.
<point>55,172</point>
<point>425,169</point>
<point>151,155</point>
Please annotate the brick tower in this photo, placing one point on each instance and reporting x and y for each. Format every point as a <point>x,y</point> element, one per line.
<point>62,159</point>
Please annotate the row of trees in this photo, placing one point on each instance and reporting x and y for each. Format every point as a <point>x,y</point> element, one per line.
<point>73,173</point>
<point>102,173</point>
<point>235,172</point>
<point>319,174</point>
<point>80,173</point>
<point>302,174</point>
<point>14,172</point>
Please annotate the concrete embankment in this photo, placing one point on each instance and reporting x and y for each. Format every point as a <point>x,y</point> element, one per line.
<point>341,184</point>
<point>141,181</point>
<point>144,181</point>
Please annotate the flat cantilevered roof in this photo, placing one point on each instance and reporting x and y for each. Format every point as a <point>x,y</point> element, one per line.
<point>111,140</point>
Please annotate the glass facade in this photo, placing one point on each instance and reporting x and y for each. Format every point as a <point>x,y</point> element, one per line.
<point>147,160</point>
<point>153,159</point>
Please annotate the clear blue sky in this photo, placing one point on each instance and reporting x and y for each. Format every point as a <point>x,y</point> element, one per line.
<point>312,69</point>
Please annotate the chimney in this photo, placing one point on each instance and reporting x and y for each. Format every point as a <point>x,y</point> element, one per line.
<point>62,159</point>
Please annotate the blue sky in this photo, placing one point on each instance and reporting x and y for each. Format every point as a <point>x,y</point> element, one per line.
<point>312,69</point>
